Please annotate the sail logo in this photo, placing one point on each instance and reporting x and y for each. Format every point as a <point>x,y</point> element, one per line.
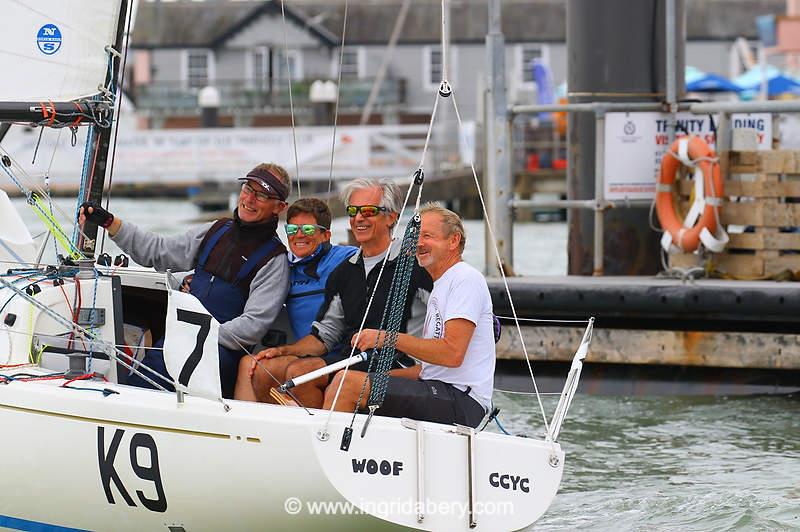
<point>49,39</point>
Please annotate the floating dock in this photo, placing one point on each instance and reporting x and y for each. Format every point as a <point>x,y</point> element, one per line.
<point>654,335</point>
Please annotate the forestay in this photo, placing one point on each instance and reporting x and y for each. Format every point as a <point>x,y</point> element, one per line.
<point>56,50</point>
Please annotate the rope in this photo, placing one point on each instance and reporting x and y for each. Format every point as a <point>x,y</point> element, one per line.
<point>27,185</point>
<point>47,186</point>
<point>114,353</point>
<point>291,101</point>
<point>336,109</point>
<point>540,320</point>
<point>380,273</point>
<point>392,319</point>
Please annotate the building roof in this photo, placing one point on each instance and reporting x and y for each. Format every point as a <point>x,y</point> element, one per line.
<point>210,23</point>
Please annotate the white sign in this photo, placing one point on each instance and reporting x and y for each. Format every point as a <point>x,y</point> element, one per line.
<point>191,349</point>
<point>635,143</point>
<point>175,156</point>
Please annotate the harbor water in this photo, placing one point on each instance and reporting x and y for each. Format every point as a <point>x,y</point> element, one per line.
<point>632,463</point>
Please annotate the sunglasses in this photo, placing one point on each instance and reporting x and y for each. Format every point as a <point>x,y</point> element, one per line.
<point>262,197</point>
<point>306,229</point>
<point>367,211</point>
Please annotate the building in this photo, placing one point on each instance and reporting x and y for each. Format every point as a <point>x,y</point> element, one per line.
<point>244,49</point>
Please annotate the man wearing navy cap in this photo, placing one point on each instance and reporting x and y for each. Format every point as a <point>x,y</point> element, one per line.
<point>240,271</point>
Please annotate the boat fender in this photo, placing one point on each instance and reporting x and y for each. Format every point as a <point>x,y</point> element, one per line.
<point>121,260</point>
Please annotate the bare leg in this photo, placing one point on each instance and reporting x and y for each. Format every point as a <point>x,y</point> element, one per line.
<point>311,393</point>
<point>257,387</point>
<point>351,390</point>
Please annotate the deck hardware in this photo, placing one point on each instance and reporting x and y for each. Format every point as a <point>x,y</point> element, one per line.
<point>469,432</point>
<point>417,426</point>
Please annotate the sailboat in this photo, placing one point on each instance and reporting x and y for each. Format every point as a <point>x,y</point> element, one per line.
<point>84,451</point>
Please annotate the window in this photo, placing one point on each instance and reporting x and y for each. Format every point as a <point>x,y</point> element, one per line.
<point>295,58</point>
<point>259,67</point>
<point>353,61</point>
<point>198,68</point>
<point>526,56</point>
<point>432,66</point>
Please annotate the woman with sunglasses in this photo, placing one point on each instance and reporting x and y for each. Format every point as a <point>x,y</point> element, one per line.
<point>312,258</point>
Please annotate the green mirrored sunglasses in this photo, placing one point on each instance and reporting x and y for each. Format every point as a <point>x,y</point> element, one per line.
<point>306,229</point>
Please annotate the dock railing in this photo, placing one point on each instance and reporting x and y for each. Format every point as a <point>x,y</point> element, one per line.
<point>599,204</point>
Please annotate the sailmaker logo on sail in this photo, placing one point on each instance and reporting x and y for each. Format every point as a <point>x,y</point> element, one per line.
<point>48,39</point>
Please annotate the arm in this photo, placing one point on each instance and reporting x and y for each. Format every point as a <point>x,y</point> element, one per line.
<point>177,252</point>
<point>448,351</point>
<point>325,334</point>
<point>267,293</point>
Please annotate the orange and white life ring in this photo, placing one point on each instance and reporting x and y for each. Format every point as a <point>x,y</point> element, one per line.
<point>701,223</point>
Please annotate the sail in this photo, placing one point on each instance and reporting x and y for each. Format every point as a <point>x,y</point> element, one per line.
<point>55,48</point>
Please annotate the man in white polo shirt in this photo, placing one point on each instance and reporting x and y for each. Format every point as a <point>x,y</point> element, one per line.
<point>454,382</point>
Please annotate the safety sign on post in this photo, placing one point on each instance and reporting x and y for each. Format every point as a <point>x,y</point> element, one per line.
<point>635,143</point>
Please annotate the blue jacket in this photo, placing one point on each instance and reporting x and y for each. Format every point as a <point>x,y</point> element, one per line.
<point>307,279</point>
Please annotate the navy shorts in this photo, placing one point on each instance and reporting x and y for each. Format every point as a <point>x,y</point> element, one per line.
<point>429,400</point>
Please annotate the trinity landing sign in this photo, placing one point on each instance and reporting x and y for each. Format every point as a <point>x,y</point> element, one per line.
<point>635,143</point>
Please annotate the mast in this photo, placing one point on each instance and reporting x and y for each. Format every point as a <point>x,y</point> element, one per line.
<point>97,168</point>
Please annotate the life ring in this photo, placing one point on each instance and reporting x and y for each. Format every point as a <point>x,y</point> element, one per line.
<point>700,225</point>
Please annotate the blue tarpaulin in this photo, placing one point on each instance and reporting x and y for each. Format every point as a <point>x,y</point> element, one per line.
<point>777,82</point>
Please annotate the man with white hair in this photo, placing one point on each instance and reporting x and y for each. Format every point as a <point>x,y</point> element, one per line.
<point>373,207</point>
<point>454,382</point>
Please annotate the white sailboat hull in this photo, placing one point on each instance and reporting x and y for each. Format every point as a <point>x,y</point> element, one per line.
<point>138,460</point>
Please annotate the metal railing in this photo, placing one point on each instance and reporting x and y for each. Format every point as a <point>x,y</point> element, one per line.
<point>599,203</point>
<point>262,95</point>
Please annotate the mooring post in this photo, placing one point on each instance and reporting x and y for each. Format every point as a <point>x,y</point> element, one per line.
<point>497,183</point>
<point>599,190</point>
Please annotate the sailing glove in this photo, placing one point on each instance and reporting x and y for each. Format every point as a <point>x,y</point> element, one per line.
<point>99,215</point>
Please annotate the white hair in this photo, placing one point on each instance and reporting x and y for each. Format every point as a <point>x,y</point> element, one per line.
<point>391,197</point>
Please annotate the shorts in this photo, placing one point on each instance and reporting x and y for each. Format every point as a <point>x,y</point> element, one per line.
<point>430,400</point>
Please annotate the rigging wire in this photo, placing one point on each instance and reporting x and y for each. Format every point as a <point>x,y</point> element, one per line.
<point>291,101</point>
<point>395,231</point>
<point>117,113</point>
<point>502,270</point>
<point>336,109</point>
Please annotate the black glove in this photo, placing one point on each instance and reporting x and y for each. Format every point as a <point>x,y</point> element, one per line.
<point>99,215</point>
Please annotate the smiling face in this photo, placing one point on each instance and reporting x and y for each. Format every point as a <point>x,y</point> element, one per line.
<point>252,209</point>
<point>374,233</point>
<point>303,245</point>
<point>435,250</point>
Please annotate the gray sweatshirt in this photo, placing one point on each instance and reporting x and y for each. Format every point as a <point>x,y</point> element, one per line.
<point>179,253</point>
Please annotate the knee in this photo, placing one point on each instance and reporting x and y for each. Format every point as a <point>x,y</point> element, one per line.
<point>303,366</point>
<point>245,363</point>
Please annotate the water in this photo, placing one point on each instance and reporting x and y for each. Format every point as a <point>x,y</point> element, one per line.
<point>672,463</point>
<point>539,249</point>
<point>633,463</point>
